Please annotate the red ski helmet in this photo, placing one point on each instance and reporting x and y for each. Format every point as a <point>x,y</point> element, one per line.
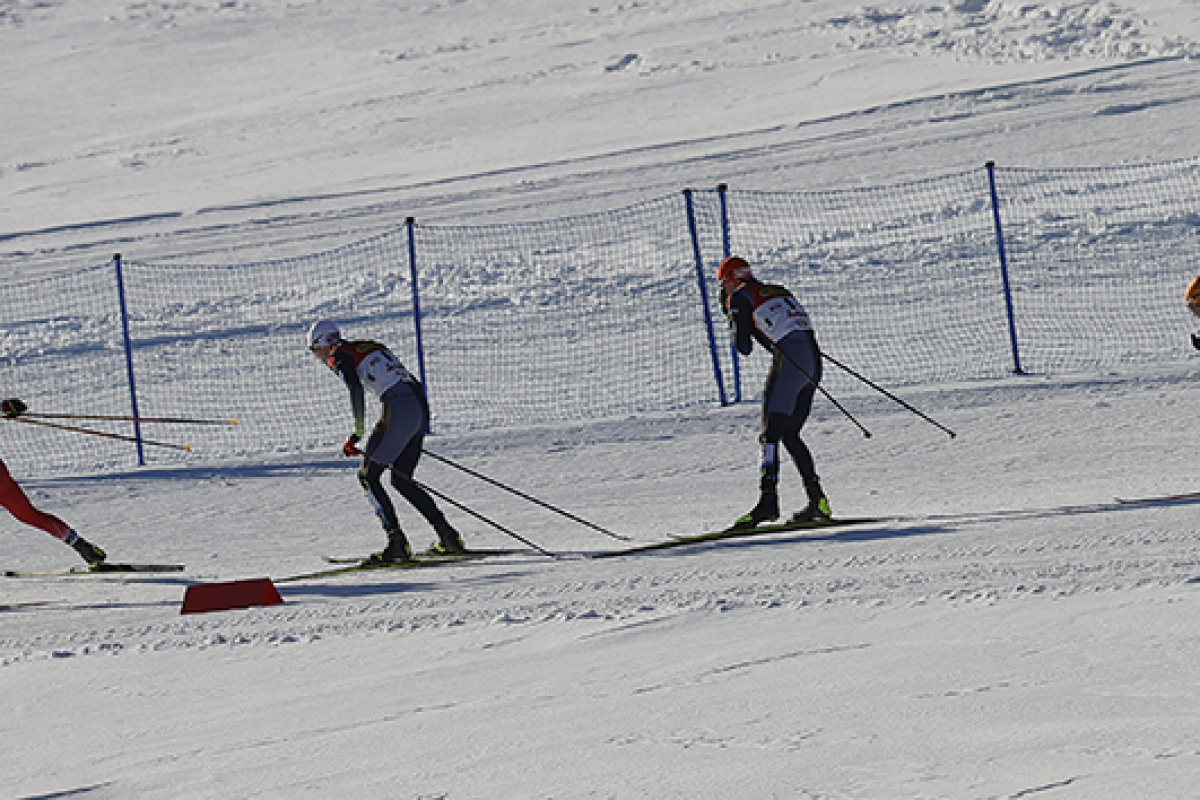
<point>734,268</point>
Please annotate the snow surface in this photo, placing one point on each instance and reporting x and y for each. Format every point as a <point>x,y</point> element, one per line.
<point>1008,631</point>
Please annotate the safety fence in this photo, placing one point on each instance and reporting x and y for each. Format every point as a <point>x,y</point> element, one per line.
<point>965,276</point>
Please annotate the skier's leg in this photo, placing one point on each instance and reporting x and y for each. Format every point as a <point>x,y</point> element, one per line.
<point>403,467</point>
<point>369,475</point>
<point>391,434</point>
<point>13,498</point>
<point>397,441</point>
<point>402,479</point>
<point>767,508</point>
<point>773,428</point>
<point>397,549</point>
<point>818,505</point>
<point>788,392</point>
<point>801,455</point>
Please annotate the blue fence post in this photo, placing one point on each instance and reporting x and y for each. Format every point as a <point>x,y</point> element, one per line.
<point>712,338</point>
<point>1008,303</point>
<point>411,224</point>
<point>727,251</point>
<point>133,401</point>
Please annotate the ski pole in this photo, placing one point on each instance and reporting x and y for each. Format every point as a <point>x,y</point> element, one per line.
<point>866,433</point>
<point>105,434</point>
<point>888,394</point>
<point>524,496</point>
<point>116,418</point>
<point>479,516</point>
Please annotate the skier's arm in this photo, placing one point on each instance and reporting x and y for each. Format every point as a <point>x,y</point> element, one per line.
<point>741,322</point>
<point>343,364</point>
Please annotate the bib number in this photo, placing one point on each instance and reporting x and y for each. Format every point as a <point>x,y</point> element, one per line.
<point>780,316</point>
<point>381,371</point>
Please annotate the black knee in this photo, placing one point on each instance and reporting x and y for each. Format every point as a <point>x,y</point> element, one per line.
<point>400,480</point>
<point>368,475</point>
<point>774,428</point>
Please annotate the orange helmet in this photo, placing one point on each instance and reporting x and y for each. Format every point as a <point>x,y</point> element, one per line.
<point>1193,295</point>
<point>734,268</point>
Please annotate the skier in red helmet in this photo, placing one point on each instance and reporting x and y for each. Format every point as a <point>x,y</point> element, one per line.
<point>771,315</point>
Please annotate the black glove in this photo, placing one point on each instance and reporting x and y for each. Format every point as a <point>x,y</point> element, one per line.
<point>1195,341</point>
<point>13,408</point>
<point>723,299</point>
<point>350,448</point>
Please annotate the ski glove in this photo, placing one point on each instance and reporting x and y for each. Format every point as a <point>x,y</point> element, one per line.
<point>350,448</point>
<point>723,300</point>
<point>13,408</point>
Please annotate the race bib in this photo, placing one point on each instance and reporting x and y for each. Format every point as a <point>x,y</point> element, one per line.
<point>380,371</point>
<point>779,316</point>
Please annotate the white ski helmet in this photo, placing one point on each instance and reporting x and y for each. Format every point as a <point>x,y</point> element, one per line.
<point>323,333</point>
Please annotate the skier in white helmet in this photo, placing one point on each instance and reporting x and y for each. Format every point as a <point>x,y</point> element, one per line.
<point>396,441</point>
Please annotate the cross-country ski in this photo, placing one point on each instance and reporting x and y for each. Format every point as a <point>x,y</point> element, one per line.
<point>347,566</point>
<point>737,533</point>
<point>105,568</point>
<point>472,553</point>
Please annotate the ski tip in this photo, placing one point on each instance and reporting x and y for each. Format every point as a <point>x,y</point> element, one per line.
<point>1165,499</point>
<point>25,604</point>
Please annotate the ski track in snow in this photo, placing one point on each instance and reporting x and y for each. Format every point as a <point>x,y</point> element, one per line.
<point>1053,539</point>
<point>984,558</point>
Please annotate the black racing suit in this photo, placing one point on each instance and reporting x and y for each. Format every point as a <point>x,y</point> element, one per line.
<point>770,315</point>
<point>397,440</point>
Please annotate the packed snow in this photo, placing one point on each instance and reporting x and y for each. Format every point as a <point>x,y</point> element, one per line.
<point>1004,628</point>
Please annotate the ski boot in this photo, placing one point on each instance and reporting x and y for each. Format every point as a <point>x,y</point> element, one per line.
<point>89,552</point>
<point>816,511</point>
<point>767,510</point>
<point>396,552</point>
<point>449,542</point>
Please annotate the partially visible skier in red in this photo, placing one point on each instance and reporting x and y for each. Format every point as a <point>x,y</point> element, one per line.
<point>1193,301</point>
<point>15,500</point>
